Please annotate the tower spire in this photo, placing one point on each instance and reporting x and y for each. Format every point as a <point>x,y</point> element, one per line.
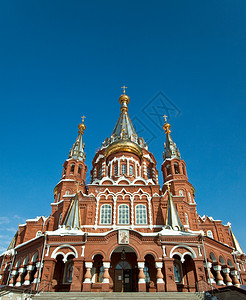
<point>77,151</point>
<point>170,148</point>
<point>124,129</point>
<point>235,241</point>
<point>172,217</point>
<point>72,219</point>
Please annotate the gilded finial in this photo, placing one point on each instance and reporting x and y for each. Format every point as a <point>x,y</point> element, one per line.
<point>82,126</point>
<point>124,89</point>
<point>166,126</point>
<point>168,186</point>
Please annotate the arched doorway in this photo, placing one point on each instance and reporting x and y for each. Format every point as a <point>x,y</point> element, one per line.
<point>124,271</point>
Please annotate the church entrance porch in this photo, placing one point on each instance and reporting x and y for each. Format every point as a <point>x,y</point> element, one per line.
<point>124,271</point>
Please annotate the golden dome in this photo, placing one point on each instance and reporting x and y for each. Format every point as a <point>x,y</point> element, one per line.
<point>124,98</point>
<point>124,146</point>
<point>167,127</point>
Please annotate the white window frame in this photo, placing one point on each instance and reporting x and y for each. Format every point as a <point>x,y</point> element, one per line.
<point>104,214</point>
<point>126,214</point>
<point>140,214</point>
<point>123,169</point>
<point>131,170</point>
<point>210,234</point>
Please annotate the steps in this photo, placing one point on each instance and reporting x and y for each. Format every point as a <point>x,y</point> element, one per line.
<point>117,296</point>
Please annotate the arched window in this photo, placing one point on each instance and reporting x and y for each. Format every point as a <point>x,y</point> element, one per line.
<point>123,169</point>
<point>123,214</point>
<point>190,197</point>
<point>115,170</point>
<point>181,193</point>
<point>177,271</point>
<point>131,170</point>
<point>141,214</point>
<point>99,175</point>
<point>148,173</point>
<point>183,167</point>
<point>58,197</point>
<point>72,168</point>
<point>106,214</point>
<point>79,169</point>
<point>210,234</point>
<point>187,219</point>
<point>176,168</point>
<point>168,170</point>
<point>67,193</point>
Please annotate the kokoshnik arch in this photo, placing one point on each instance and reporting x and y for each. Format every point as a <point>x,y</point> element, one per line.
<point>123,232</point>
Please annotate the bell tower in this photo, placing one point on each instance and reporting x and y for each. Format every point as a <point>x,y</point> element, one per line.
<point>174,173</point>
<point>72,180</point>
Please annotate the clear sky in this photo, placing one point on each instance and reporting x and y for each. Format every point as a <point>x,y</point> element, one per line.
<point>60,60</point>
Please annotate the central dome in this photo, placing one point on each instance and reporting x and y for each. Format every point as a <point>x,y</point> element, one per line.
<point>124,146</point>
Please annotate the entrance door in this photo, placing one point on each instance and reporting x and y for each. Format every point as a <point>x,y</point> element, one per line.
<point>123,280</point>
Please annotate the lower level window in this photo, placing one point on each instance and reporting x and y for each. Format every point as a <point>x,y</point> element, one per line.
<point>141,214</point>
<point>106,214</point>
<point>123,214</point>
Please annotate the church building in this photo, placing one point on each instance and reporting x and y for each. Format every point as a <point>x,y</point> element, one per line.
<point>123,232</point>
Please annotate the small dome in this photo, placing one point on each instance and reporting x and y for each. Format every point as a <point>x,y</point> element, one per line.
<point>124,98</point>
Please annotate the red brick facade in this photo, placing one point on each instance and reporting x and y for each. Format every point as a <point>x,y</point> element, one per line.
<point>122,243</point>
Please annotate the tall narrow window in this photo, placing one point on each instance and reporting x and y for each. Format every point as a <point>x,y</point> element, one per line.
<point>115,170</point>
<point>131,170</point>
<point>123,169</point>
<point>148,173</point>
<point>79,169</point>
<point>99,174</point>
<point>181,193</point>
<point>168,170</point>
<point>176,168</point>
<point>106,214</point>
<point>72,169</point>
<point>123,214</point>
<point>58,197</point>
<point>141,214</point>
<point>59,221</point>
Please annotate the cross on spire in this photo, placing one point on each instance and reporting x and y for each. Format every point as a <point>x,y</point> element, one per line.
<point>124,89</point>
<point>83,118</point>
<point>165,117</point>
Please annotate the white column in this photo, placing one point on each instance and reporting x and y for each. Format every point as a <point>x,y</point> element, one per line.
<point>128,166</point>
<point>97,208</point>
<point>150,213</point>
<point>114,216</point>
<point>132,212</point>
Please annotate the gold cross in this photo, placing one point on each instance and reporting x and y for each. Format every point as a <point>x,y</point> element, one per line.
<point>168,186</point>
<point>165,117</point>
<point>83,118</point>
<point>124,89</point>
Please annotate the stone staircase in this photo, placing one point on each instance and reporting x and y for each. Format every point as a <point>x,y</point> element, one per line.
<point>118,296</point>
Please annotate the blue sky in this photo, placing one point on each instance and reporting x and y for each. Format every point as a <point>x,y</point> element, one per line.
<point>60,60</point>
